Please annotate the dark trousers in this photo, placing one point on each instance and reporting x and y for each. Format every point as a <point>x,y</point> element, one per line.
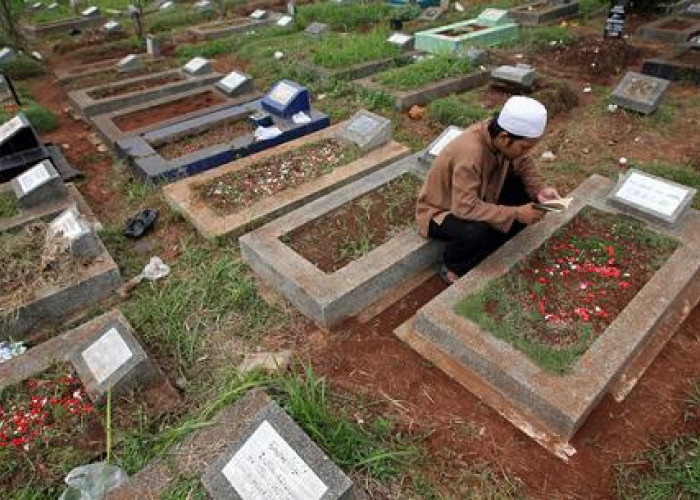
<point>470,242</point>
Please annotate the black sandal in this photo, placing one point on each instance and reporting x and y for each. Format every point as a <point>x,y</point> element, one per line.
<point>136,227</point>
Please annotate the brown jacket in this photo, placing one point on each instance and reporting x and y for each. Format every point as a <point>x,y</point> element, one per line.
<point>466,180</point>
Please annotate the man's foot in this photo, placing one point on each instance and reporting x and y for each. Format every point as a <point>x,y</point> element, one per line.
<point>447,276</point>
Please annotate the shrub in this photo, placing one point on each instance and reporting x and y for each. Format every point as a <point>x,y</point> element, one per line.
<point>22,68</point>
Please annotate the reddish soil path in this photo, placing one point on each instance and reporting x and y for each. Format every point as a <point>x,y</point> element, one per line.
<point>368,359</point>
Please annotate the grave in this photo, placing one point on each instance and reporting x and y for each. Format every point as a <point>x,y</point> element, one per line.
<point>521,75</point>
<point>113,26</point>
<point>221,29</point>
<point>406,98</point>
<point>39,185</point>
<point>431,14</point>
<point>197,66</point>
<point>196,198</point>
<point>316,29</point>
<point>195,145</point>
<point>401,40</point>
<point>270,456</point>
<point>673,29</point>
<point>108,97</point>
<point>106,71</point>
<point>330,288</point>
<point>235,83</point>
<point>490,28</point>
<point>61,26</point>
<point>544,12</point>
<point>7,55</point>
<point>639,92</point>
<point>653,198</point>
<point>88,276</point>
<point>550,404</point>
<point>129,63</point>
<point>157,113</point>
<point>681,64</point>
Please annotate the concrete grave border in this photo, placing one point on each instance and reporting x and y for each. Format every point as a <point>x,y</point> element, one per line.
<point>51,305</point>
<point>181,195</point>
<point>210,31</point>
<point>329,299</point>
<point>404,99</point>
<point>557,11</point>
<point>670,67</point>
<point>548,407</point>
<point>61,26</point>
<point>653,30</point>
<point>155,169</point>
<point>110,133</point>
<point>359,70</point>
<point>432,40</point>
<point>87,106</point>
<point>68,346</point>
<point>66,76</point>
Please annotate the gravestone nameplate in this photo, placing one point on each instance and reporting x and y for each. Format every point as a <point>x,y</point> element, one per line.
<point>258,14</point>
<point>493,17</point>
<point>71,226</point>
<point>286,99</point>
<point>641,93</point>
<point>401,40</point>
<point>316,29</point>
<point>366,130</point>
<point>431,14</point>
<point>204,6</point>
<point>7,55</point>
<point>36,55</point>
<point>615,22</point>
<point>40,184</point>
<point>235,83</point>
<point>520,75</point>
<point>132,62</point>
<point>52,6</point>
<point>285,21</point>
<point>106,355</point>
<point>17,135</point>
<point>272,457</point>
<point>436,147</point>
<point>166,5</point>
<point>36,6</point>
<point>198,66</point>
<point>651,198</point>
<point>113,26</point>
<point>91,12</point>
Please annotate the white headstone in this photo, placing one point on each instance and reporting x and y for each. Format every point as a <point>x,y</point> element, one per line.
<point>7,55</point>
<point>203,5</point>
<point>233,82</point>
<point>36,55</point>
<point>653,195</point>
<point>34,177</point>
<point>267,467</point>
<point>258,14</point>
<point>3,84</point>
<point>445,138</point>
<point>283,93</point>
<point>284,21</point>
<point>52,6</point>
<point>68,225</point>
<point>198,66</point>
<point>363,125</point>
<point>105,356</point>
<point>112,26</point>
<point>9,128</point>
<point>493,16</point>
<point>167,5</point>
<point>91,11</point>
<point>129,63</point>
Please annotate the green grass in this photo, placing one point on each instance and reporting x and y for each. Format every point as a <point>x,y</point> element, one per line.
<point>460,110</point>
<point>22,68</point>
<point>424,72</point>
<point>338,51</point>
<point>207,289</point>
<point>349,16</point>
<point>176,17</point>
<point>541,36</point>
<point>42,118</point>
<point>8,205</point>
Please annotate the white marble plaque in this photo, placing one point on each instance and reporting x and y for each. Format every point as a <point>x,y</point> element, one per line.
<point>363,125</point>
<point>652,194</point>
<point>258,14</point>
<point>267,468</point>
<point>233,80</point>
<point>7,129</point>
<point>107,355</point>
<point>90,11</point>
<point>399,38</point>
<point>492,15</point>
<point>284,21</point>
<point>444,140</point>
<point>196,64</point>
<point>33,178</point>
<point>283,93</point>
<point>68,225</point>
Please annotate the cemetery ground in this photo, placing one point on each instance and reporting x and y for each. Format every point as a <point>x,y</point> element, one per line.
<point>398,425</point>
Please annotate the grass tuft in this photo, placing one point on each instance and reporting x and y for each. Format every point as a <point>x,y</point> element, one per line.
<point>456,110</point>
<point>424,72</point>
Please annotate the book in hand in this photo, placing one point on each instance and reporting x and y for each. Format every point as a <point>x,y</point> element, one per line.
<point>556,205</point>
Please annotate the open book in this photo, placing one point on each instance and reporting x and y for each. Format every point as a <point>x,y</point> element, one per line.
<point>558,205</point>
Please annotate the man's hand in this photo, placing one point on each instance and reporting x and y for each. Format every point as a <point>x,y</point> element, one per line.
<point>528,214</point>
<point>548,193</point>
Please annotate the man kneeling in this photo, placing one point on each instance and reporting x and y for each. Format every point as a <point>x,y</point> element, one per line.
<point>479,192</point>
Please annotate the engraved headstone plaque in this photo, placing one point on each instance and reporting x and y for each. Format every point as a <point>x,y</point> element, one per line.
<point>72,227</point>
<point>91,12</point>
<point>401,40</point>
<point>198,66</point>
<point>9,128</point>
<point>366,130</point>
<point>68,225</point>
<point>267,467</point>
<point>235,83</point>
<point>271,457</point>
<point>493,16</point>
<point>283,93</point>
<point>258,14</point>
<point>316,29</point>
<point>439,144</point>
<point>167,5</point>
<point>652,197</point>
<point>7,55</point>
<point>40,184</point>
<point>34,177</point>
<point>284,21</point>
<point>641,93</point>
<point>105,356</point>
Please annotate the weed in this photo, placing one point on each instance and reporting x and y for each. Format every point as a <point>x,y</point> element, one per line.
<point>424,72</point>
<point>8,205</point>
<point>348,16</point>
<point>541,37</point>
<point>189,488</point>
<point>22,68</point>
<point>176,17</point>
<point>455,110</point>
<point>345,50</point>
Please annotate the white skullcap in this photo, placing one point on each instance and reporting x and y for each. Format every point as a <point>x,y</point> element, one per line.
<point>523,116</point>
